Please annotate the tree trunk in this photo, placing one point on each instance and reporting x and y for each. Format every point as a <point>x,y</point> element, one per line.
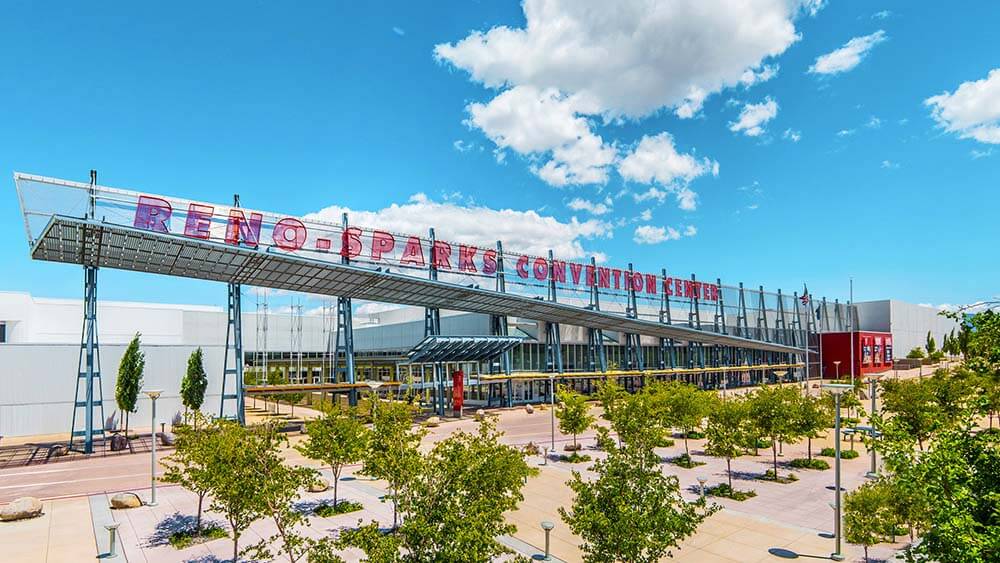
<point>686,450</point>
<point>774,453</point>
<point>201,498</point>
<point>236,545</point>
<point>729,473</point>
<point>809,448</point>
<point>336,478</point>
<point>866,554</point>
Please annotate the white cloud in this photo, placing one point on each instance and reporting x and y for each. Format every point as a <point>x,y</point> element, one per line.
<point>884,14</point>
<point>690,231</point>
<point>655,159</point>
<point>845,132</point>
<point>594,208</point>
<point>977,154</point>
<point>972,111</point>
<point>462,146</point>
<point>753,207</point>
<point>521,231</point>
<point>652,193</point>
<point>848,56</point>
<point>648,234</point>
<point>754,116</point>
<point>792,135</point>
<point>687,200</point>
<point>646,215</point>
<point>631,58</point>
<point>576,63</point>
<point>545,123</point>
<point>890,164</point>
<point>399,31</point>
<point>755,76</point>
<point>873,123</point>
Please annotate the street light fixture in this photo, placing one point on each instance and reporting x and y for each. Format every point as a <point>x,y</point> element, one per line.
<point>701,484</point>
<point>547,526</point>
<point>837,389</point>
<point>552,415</point>
<point>836,364</point>
<point>153,395</point>
<point>873,471</point>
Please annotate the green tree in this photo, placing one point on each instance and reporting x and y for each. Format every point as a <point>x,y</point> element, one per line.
<point>280,486</point>
<point>573,414</point>
<point>190,463</point>
<point>930,345</point>
<point>455,504</point>
<point>915,354</point>
<point>631,512</point>
<point>194,383</point>
<point>772,410</point>
<point>336,439</point>
<point>954,487</point>
<point>635,418</point>
<point>129,381</point>
<point>684,406</point>
<point>236,482</point>
<point>392,452</point>
<point>867,515</point>
<point>727,432</point>
<point>912,407</point>
<point>811,418</point>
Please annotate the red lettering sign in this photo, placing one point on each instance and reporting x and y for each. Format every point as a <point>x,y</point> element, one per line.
<point>152,214</point>
<point>382,242</point>
<point>490,262</point>
<point>441,254</point>
<point>239,228</point>
<point>350,242</point>
<point>289,234</point>
<point>199,219</point>
<point>465,256</point>
<point>413,253</point>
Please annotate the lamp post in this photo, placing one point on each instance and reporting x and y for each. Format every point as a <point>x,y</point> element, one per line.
<point>836,364</point>
<point>837,389</point>
<point>779,375</point>
<point>153,395</point>
<point>873,471</point>
<point>552,415</point>
<point>701,484</point>
<point>547,526</point>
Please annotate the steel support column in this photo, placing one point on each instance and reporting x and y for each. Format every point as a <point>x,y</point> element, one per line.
<point>234,345</point>
<point>553,341</point>
<point>668,355</point>
<point>500,327</point>
<point>432,327</point>
<point>597,355</point>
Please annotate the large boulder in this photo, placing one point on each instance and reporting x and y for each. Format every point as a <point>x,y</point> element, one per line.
<point>529,409</point>
<point>319,485</point>
<point>126,500</point>
<point>19,509</point>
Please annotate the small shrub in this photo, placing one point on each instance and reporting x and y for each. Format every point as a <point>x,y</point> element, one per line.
<point>575,458</point>
<point>770,476</point>
<point>186,538</point>
<point>763,443</point>
<point>724,490</point>
<point>695,435</point>
<point>665,443</point>
<point>844,454</point>
<point>915,354</point>
<point>326,510</point>
<point>803,463</point>
<point>685,461</point>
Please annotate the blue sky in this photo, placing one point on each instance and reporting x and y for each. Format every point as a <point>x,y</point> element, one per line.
<point>831,164</point>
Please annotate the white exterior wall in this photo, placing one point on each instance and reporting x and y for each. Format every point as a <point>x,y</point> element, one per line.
<point>907,322</point>
<point>37,384</point>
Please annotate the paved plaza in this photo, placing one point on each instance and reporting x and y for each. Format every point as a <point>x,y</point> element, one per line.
<point>782,521</point>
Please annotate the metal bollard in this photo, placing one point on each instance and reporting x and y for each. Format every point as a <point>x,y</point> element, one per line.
<point>545,460</point>
<point>113,531</point>
<point>547,526</point>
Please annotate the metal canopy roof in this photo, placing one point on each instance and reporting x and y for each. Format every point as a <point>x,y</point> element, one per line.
<point>460,348</point>
<point>93,243</point>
